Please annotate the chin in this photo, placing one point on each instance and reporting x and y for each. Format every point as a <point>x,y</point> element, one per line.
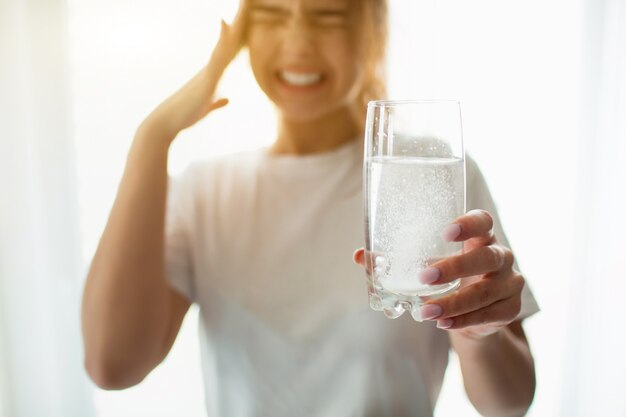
<point>301,115</point>
<point>303,112</point>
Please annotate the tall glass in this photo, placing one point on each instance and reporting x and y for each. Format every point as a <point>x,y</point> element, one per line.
<point>414,170</point>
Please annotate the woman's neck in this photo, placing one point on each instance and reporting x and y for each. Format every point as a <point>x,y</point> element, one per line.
<point>316,136</point>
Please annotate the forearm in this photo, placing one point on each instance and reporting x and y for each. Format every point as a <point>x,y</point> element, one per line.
<point>130,316</point>
<point>125,304</point>
<point>498,373</point>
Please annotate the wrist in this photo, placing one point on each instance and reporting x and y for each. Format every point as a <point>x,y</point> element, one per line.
<point>152,138</point>
<point>154,134</point>
<point>462,341</point>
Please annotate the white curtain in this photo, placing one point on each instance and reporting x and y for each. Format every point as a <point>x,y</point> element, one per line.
<point>593,382</point>
<point>40,359</point>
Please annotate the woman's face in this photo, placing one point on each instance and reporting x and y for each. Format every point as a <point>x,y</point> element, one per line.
<point>303,55</point>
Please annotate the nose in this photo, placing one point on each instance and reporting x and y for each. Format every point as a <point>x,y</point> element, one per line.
<point>299,39</point>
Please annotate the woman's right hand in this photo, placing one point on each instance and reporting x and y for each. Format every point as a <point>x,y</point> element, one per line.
<point>195,99</point>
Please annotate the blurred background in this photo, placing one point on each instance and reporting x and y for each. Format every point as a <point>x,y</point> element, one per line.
<point>542,84</point>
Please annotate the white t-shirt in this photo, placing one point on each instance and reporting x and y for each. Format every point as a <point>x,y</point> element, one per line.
<point>264,243</point>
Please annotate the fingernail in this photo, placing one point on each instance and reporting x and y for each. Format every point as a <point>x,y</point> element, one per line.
<point>429,275</point>
<point>451,232</point>
<point>445,323</point>
<point>430,311</point>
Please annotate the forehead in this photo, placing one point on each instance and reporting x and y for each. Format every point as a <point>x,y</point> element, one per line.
<point>307,4</point>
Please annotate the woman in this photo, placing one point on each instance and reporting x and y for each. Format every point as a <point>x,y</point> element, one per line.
<point>262,242</point>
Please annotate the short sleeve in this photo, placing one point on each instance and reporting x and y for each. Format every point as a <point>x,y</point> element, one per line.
<point>178,249</point>
<point>479,197</point>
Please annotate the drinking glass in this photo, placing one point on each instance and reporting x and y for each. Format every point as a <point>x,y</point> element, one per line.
<point>414,170</point>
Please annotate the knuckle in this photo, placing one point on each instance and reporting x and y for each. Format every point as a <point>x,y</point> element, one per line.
<point>487,218</point>
<point>499,256</point>
<point>492,256</point>
<point>475,212</point>
<point>486,255</point>
<point>516,307</point>
<point>509,258</point>
<point>519,282</point>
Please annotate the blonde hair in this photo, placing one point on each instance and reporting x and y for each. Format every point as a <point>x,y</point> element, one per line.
<point>372,32</point>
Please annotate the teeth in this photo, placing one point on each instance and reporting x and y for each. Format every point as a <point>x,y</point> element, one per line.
<point>300,79</point>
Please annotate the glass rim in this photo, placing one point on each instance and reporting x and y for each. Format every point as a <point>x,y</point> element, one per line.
<point>386,102</point>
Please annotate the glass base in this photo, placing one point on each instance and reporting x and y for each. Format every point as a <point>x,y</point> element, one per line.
<point>393,305</point>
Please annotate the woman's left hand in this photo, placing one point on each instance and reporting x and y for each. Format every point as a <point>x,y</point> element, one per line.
<point>489,297</point>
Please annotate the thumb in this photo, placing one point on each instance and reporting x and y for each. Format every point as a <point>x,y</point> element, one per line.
<point>218,104</point>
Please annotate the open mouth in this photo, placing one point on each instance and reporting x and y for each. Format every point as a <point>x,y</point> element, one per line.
<point>300,79</point>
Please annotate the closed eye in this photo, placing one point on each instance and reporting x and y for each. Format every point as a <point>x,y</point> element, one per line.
<point>329,17</point>
<point>268,14</point>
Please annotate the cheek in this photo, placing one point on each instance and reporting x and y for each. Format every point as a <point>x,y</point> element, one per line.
<point>345,63</point>
<point>260,55</point>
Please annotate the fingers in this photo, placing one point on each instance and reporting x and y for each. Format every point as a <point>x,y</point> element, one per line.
<point>237,28</point>
<point>473,224</point>
<point>478,261</point>
<point>500,313</point>
<point>475,297</point>
<point>494,300</point>
<point>231,39</point>
<point>365,259</point>
<point>240,18</point>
